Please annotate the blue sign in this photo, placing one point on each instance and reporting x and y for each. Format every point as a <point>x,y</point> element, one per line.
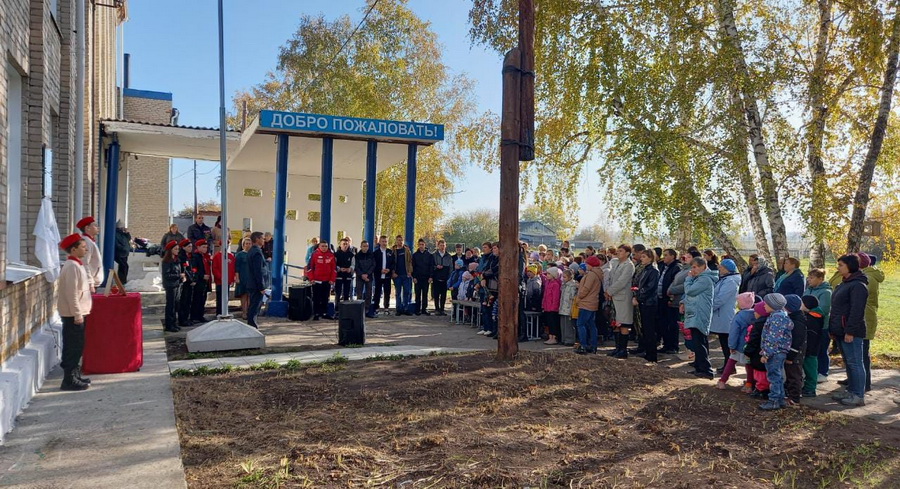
<point>350,126</point>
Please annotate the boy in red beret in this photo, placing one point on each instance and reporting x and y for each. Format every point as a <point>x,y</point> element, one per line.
<point>74,304</point>
<point>93,260</point>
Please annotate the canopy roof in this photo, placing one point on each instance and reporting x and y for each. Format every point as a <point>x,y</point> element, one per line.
<point>255,148</point>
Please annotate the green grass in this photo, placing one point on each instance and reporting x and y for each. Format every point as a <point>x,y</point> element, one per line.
<point>887,339</point>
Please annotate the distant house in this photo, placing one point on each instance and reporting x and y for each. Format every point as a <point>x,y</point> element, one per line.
<point>537,233</point>
<point>580,244</point>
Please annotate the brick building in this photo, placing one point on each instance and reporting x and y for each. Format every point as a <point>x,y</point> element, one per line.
<point>144,201</point>
<point>37,157</point>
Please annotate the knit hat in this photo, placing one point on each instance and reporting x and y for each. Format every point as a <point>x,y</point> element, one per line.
<point>553,272</point>
<point>84,222</point>
<point>793,302</point>
<point>593,261</point>
<point>70,240</point>
<point>760,308</point>
<point>171,244</point>
<point>535,256</point>
<point>810,301</point>
<point>745,300</point>
<point>535,269</point>
<point>120,224</point>
<point>864,260</point>
<point>729,265</point>
<point>459,262</point>
<point>775,301</point>
<point>467,276</point>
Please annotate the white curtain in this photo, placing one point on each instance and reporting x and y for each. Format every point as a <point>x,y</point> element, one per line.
<point>47,240</point>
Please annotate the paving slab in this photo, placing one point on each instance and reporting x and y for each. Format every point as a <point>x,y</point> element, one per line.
<point>119,433</point>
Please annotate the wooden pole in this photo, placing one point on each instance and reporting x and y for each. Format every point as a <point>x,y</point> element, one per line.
<point>526,45</point>
<point>508,317</point>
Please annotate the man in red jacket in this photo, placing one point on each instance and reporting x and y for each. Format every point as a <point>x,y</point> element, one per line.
<point>322,271</point>
<point>222,292</point>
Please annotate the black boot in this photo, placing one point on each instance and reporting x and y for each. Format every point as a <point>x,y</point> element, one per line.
<point>622,342</point>
<point>77,374</point>
<point>617,347</point>
<point>70,383</point>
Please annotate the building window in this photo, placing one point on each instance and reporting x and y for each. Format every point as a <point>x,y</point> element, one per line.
<point>314,197</point>
<point>313,216</point>
<point>13,209</point>
<point>343,199</point>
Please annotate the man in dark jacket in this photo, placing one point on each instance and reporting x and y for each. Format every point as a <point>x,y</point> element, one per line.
<point>255,285</point>
<point>384,267</point>
<point>343,258</point>
<point>443,265</point>
<point>123,249</point>
<point>668,315</point>
<point>198,231</point>
<point>422,270</point>
<point>758,278</point>
<point>847,324</point>
<point>365,278</point>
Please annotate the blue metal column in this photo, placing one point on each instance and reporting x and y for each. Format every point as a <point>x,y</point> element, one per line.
<point>109,217</point>
<point>371,175</point>
<point>278,307</point>
<point>411,155</point>
<point>327,185</point>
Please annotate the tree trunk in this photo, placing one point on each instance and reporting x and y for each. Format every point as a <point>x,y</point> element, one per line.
<point>728,27</point>
<point>861,200</point>
<point>745,178</point>
<point>815,132</point>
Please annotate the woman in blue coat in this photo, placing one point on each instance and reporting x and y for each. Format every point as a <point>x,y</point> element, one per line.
<point>724,300</point>
<point>793,281</point>
<point>699,289</point>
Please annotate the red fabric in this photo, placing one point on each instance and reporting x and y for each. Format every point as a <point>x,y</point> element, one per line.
<point>217,267</point>
<point>69,241</point>
<point>322,267</point>
<point>113,340</point>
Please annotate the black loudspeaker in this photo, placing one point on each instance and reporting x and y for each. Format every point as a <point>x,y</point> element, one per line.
<point>300,304</point>
<point>352,323</point>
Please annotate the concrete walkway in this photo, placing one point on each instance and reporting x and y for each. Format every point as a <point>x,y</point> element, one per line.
<point>360,353</point>
<point>119,433</point>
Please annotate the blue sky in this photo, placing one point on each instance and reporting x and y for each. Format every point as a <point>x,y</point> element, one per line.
<point>173,47</point>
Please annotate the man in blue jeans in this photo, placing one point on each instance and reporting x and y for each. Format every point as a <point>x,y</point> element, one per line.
<point>402,276</point>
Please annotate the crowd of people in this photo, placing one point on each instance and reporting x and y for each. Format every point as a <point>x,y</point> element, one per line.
<point>776,324</point>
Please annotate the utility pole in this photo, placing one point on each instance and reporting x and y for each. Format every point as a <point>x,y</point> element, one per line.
<point>517,144</point>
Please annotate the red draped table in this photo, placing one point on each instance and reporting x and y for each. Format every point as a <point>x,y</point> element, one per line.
<point>114,340</point>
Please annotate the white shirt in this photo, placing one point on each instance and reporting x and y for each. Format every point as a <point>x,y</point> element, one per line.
<point>93,262</point>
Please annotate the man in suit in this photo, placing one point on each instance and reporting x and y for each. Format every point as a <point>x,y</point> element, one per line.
<point>255,285</point>
<point>384,267</point>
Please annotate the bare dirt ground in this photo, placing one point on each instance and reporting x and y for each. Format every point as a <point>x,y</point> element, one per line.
<point>546,420</point>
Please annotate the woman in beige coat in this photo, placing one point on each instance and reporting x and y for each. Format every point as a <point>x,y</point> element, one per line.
<point>620,293</point>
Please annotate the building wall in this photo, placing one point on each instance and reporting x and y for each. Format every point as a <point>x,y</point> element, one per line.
<point>39,44</point>
<point>147,177</point>
<point>345,217</point>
